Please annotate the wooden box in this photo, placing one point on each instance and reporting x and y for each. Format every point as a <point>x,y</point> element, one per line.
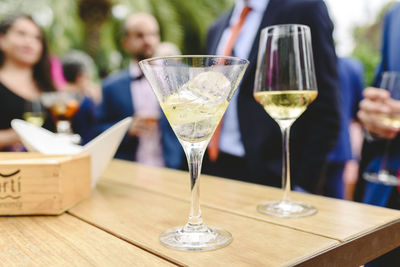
<point>32,183</point>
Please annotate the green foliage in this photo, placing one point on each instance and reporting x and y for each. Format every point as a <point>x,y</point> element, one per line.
<point>167,16</point>
<point>368,42</point>
<point>67,30</point>
<point>370,59</point>
<point>183,22</point>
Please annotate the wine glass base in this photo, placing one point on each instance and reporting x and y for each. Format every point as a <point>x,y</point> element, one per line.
<point>382,177</point>
<point>207,238</point>
<point>286,209</point>
<point>70,138</point>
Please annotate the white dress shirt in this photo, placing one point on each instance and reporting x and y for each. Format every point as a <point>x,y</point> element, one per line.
<point>230,139</point>
<point>149,149</point>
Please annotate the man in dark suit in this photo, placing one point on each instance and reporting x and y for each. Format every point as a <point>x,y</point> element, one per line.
<point>150,139</point>
<point>250,140</point>
<point>377,102</point>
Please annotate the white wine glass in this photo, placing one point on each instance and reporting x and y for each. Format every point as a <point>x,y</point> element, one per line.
<point>34,112</point>
<point>386,174</point>
<point>194,92</point>
<point>285,85</point>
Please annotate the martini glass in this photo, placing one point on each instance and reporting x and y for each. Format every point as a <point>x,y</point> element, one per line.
<point>285,85</point>
<point>194,92</point>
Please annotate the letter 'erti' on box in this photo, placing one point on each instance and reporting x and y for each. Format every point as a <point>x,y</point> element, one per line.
<point>32,183</point>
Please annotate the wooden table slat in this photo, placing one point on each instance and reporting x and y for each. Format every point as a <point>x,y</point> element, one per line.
<point>66,241</point>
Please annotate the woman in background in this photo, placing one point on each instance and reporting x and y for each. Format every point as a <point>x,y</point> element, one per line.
<point>24,72</point>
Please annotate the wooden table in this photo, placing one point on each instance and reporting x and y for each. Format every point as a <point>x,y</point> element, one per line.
<point>120,223</point>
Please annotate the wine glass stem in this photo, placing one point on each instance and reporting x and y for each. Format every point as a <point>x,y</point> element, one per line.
<point>385,156</point>
<point>63,126</point>
<point>285,163</point>
<point>194,154</point>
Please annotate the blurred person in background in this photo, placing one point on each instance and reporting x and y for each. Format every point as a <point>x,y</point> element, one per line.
<point>377,102</point>
<point>57,72</point>
<point>24,73</point>
<point>250,141</point>
<point>78,69</point>
<point>351,168</point>
<point>150,139</point>
<point>341,157</point>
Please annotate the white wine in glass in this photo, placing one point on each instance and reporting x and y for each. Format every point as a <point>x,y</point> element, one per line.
<point>285,106</point>
<point>34,113</point>
<point>193,122</point>
<point>194,92</point>
<point>392,121</point>
<point>285,85</point>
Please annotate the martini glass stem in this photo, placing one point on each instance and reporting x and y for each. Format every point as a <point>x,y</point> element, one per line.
<point>285,163</point>
<point>194,154</point>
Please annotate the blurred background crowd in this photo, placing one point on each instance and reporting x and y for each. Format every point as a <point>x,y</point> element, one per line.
<point>88,43</point>
<point>94,26</point>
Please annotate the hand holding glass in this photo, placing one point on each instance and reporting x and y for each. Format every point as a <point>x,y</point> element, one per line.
<point>385,174</point>
<point>194,92</point>
<point>285,85</point>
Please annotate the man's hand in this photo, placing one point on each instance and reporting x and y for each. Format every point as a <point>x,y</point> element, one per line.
<point>142,125</point>
<point>376,103</point>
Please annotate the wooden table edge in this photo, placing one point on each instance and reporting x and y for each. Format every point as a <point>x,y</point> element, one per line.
<point>343,253</point>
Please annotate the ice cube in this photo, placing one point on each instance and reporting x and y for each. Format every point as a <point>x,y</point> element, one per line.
<point>186,95</point>
<point>208,86</point>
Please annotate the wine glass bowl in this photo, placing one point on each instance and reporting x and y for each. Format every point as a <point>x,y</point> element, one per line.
<point>391,82</point>
<point>34,113</point>
<point>63,107</point>
<point>194,92</point>
<point>64,110</point>
<point>285,85</point>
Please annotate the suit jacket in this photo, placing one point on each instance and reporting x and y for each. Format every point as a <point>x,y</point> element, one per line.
<point>84,120</point>
<point>315,132</point>
<point>117,104</point>
<point>367,192</point>
<point>351,86</point>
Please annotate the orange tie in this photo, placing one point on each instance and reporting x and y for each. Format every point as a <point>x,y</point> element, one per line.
<point>213,148</point>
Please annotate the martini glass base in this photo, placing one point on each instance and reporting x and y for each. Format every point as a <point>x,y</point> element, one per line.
<point>286,209</point>
<point>205,238</point>
<point>382,177</point>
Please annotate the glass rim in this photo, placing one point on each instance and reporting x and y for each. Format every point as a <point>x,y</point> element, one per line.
<point>267,30</point>
<point>152,59</point>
